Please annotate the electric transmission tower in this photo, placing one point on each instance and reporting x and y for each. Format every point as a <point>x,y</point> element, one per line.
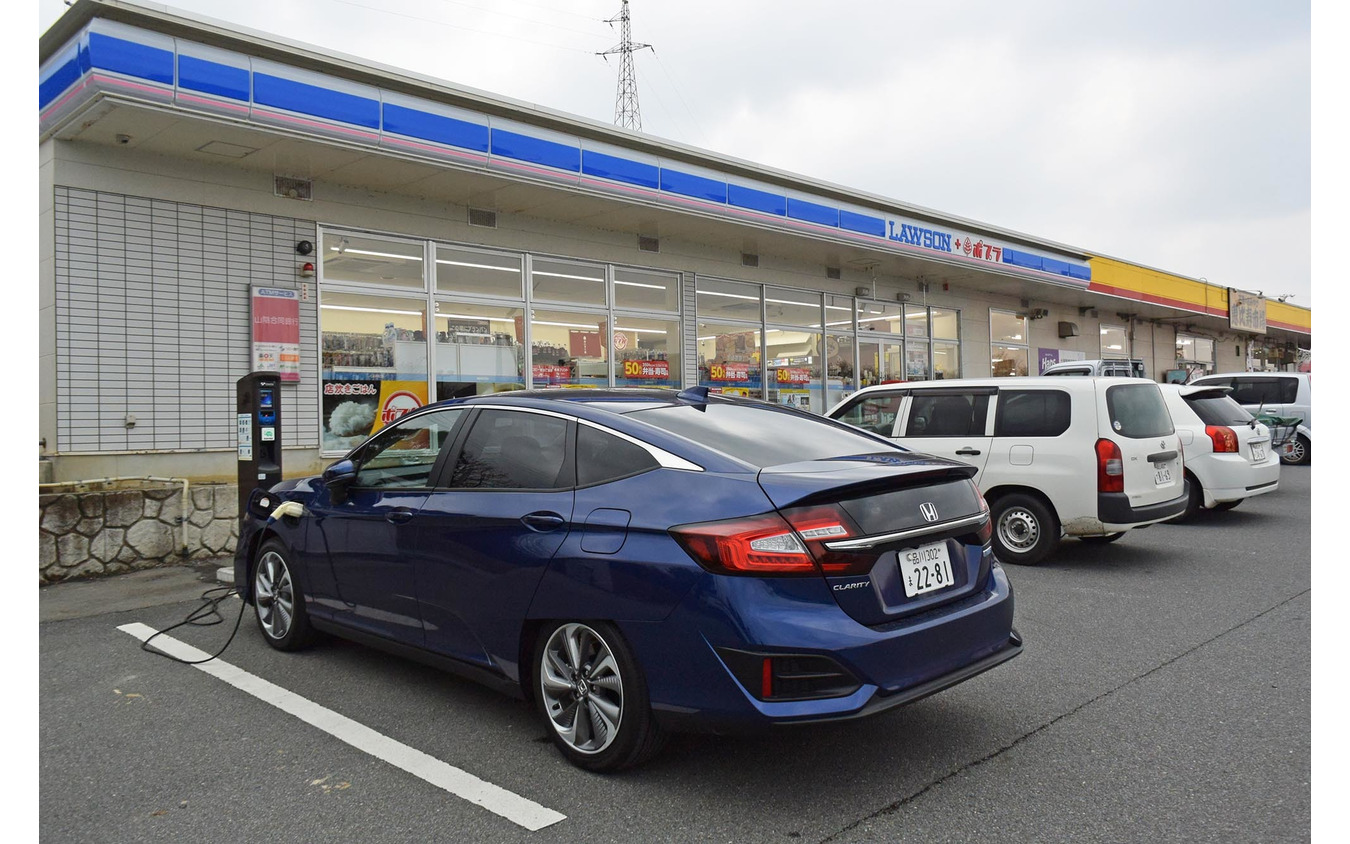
<point>626,113</point>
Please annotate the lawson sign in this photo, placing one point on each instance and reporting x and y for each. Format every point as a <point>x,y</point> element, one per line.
<point>972,246</point>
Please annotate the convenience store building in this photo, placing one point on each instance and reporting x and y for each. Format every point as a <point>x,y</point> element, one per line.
<point>216,200</point>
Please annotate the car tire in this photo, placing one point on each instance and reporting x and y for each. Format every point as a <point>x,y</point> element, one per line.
<point>1025,530</point>
<point>1300,452</point>
<point>1228,505</point>
<point>277,598</point>
<point>589,669</point>
<point>1195,500</point>
<point>1102,540</point>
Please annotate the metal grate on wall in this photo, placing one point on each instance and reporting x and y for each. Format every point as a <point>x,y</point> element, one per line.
<point>689,330</point>
<point>152,320</point>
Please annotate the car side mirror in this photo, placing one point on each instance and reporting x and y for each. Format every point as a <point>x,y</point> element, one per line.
<point>341,472</point>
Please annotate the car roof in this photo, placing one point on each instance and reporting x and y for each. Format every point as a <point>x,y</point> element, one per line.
<point>1014,382</point>
<point>1254,375</point>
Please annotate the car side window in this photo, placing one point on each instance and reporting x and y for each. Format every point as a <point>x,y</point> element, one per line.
<point>1288,390</point>
<point>603,457</point>
<point>513,449</point>
<point>403,455</point>
<point>1256,391</point>
<point>873,413</point>
<point>1032,413</point>
<point>947,415</point>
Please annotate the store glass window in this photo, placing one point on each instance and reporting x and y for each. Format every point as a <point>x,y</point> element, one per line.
<point>373,364</point>
<point>644,290</point>
<point>479,349</point>
<point>477,273</point>
<point>718,299</point>
<point>729,358</point>
<point>794,368</point>
<point>946,359</point>
<point>887,317</point>
<point>1007,327</point>
<point>646,352</point>
<point>569,349</point>
<point>838,313</point>
<point>880,361</point>
<point>946,324</point>
<point>916,359</point>
<point>783,306</point>
<point>916,321</point>
<point>840,368</point>
<point>1007,360</point>
<point>569,282</point>
<point>1195,355</point>
<point>1115,342</point>
<point>364,259</point>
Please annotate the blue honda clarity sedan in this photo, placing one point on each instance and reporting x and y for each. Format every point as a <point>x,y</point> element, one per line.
<point>641,561</point>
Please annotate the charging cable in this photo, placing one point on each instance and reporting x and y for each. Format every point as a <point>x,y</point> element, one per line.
<point>205,615</point>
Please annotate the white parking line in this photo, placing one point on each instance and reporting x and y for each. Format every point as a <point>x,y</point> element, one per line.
<point>460,783</point>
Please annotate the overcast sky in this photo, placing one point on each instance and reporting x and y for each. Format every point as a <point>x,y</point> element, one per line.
<point>1172,134</point>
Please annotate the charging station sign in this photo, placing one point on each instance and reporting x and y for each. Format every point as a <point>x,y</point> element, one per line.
<point>276,331</point>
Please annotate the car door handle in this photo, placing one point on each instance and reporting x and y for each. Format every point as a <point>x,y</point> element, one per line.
<point>399,515</point>
<point>970,452</point>
<point>543,522</point>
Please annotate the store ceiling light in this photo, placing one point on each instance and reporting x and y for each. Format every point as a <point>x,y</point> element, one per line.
<point>640,284</point>
<point>565,275</point>
<point>473,316</point>
<point>371,310</point>
<point>346,250</point>
<point>640,330</point>
<point>478,266</point>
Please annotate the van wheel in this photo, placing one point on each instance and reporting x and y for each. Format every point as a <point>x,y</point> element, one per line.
<point>1102,540</point>
<point>1300,451</point>
<point>1025,531</point>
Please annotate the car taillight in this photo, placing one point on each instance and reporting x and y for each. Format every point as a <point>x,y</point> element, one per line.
<point>764,544</point>
<point>1110,467</point>
<point>1223,437</point>
<point>824,523</point>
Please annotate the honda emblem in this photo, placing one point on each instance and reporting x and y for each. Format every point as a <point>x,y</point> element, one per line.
<point>929,511</point>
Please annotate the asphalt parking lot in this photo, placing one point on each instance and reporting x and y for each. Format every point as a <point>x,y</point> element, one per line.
<point>1164,695</point>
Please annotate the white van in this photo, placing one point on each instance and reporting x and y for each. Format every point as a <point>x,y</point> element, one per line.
<point>1087,457</point>
<point>1089,368</point>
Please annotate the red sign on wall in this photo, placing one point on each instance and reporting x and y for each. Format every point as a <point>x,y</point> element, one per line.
<point>794,375</point>
<point>656,369</point>
<point>276,331</point>
<point>729,372</point>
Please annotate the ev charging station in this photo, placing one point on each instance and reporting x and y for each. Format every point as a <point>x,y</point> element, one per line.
<point>258,403</point>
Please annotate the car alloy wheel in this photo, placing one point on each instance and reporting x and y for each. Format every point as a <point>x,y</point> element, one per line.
<point>275,595</point>
<point>1297,451</point>
<point>278,600</point>
<point>582,688</point>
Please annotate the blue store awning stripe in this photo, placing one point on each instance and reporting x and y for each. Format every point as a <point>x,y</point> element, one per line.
<point>301,98</point>
<point>620,169</point>
<point>812,212</point>
<point>536,150</point>
<point>60,79</point>
<point>414,123</point>
<point>209,77</point>
<point>756,200</point>
<point>862,223</point>
<point>127,57</point>
<point>699,187</point>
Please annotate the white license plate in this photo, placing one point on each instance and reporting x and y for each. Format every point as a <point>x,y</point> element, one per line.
<point>1162,476</point>
<point>925,569</point>
<point>1258,452</point>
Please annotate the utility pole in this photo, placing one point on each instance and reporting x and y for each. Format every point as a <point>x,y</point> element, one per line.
<point>626,112</point>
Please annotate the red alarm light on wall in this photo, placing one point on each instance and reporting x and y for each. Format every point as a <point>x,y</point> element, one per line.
<point>307,270</point>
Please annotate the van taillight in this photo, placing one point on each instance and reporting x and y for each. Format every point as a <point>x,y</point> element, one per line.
<point>1223,437</point>
<point>1110,467</point>
<point>764,544</point>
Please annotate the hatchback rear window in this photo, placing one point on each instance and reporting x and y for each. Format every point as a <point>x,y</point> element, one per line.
<point>1138,411</point>
<point>761,435</point>
<point>1219,410</point>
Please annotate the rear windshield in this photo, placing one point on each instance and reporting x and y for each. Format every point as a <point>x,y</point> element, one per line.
<point>1219,410</point>
<point>762,436</point>
<point>1138,411</point>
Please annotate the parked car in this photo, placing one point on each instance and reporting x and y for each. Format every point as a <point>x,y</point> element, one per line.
<point>1098,368</point>
<point>641,561</point>
<point>1087,457</point>
<point>1227,452</point>
<point>1278,394</point>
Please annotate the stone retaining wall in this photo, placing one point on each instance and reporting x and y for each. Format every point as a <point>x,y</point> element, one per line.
<point>92,532</point>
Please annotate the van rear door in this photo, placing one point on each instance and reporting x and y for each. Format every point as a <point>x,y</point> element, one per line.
<point>1136,420</point>
<point>952,422</point>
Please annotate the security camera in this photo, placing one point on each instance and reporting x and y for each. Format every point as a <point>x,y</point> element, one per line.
<point>123,139</point>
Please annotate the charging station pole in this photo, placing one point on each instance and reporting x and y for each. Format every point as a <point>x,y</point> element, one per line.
<point>258,403</point>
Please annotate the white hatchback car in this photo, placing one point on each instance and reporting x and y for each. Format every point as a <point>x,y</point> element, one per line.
<point>1228,454</point>
<point>1087,457</point>
<point>1277,393</point>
